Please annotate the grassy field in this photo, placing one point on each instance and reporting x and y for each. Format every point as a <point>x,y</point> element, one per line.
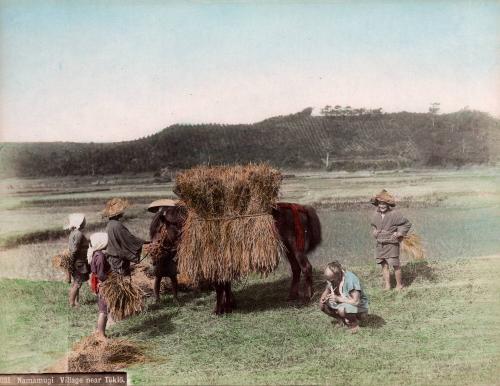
<point>443,329</point>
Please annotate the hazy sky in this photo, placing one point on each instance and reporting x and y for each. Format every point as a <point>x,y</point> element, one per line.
<point>117,70</point>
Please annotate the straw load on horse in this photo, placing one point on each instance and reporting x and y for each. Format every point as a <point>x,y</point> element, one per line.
<point>235,226</point>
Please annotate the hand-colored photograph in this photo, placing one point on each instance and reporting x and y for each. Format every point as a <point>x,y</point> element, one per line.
<point>249,192</point>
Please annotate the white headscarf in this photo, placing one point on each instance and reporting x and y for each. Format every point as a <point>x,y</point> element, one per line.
<point>98,242</point>
<point>75,220</point>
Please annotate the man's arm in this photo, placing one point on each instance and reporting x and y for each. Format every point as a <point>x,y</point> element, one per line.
<point>404,226</point>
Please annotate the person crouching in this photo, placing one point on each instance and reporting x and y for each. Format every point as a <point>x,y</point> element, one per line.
<point>343,297</point>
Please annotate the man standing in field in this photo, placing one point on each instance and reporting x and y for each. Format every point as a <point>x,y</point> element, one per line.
<point>123,247</point>
<point>388,227</point>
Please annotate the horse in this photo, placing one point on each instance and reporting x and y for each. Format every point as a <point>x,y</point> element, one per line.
<point>300,232</point>
<point>299,229</point>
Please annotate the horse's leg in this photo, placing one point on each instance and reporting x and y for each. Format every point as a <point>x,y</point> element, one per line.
<point>228,298</point>
<point>219,305</point>
<point>294,288</point>
<point>306,269</point>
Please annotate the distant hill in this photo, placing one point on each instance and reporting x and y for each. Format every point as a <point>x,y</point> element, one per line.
<point>300,140</point>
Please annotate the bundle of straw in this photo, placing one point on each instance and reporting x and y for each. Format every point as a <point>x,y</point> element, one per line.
<point>412,247</point>
<point>94,354</point>
<point>124,297</point>
<point>229,230</point>
<point>62,261</point>
<point>158,247</point>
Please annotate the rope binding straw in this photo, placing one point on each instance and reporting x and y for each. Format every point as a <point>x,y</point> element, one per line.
<point>235,217</point>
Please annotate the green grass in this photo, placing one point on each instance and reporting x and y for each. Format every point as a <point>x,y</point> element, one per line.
<point>443,329</point>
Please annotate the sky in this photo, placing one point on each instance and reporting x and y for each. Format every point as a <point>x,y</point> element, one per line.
<point>119,70</point>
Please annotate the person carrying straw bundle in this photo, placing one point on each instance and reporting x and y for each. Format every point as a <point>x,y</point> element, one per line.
<point>100,269</point>
<point>165,232</point>
<point>229,230</point>
<point>122,296</point>
<point>389,227</point>
<point>77,245</point>
<point>123,247</point>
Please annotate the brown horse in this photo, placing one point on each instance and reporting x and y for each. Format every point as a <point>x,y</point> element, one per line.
<point>300,231</point>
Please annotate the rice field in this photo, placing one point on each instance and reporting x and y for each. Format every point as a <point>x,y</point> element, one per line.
<point>407,340</point>
<point>456,212</point>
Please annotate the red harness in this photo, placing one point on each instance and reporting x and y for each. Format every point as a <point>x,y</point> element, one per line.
<point>299,228</point>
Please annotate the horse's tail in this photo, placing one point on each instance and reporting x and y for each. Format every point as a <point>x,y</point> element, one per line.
<point>313,228</point>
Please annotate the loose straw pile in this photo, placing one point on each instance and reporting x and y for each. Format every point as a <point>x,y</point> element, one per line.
<point>94,354</point>
<point>123,296</point>
<point>412,247</point>
<point>229,230</point>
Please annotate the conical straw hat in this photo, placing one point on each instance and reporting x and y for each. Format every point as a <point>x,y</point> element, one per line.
<point>114,207</point>
<point>153,207</point>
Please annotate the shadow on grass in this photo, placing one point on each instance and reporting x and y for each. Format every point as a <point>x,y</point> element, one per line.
<point>273,295</point>
<point>152,325</point>
<point>419,269</point>
<point>373,321</point>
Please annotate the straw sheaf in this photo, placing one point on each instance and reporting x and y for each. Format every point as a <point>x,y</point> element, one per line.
<point>95,354</point>
<point>62,261</point>
<point>229,230</point>
<point>412,247</point>
<point>159,246</point>
<point>115,206</point>
<point>123,296</point>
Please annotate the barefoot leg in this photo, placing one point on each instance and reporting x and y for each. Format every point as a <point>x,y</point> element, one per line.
<point>386,275</point>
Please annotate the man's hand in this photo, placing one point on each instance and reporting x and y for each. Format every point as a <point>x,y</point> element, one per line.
<point>334,298</point>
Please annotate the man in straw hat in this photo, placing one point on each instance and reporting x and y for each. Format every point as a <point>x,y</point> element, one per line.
<point>165,230</point>
<point>77,245</point>
<point>123,247</point>
<point>388,228</point>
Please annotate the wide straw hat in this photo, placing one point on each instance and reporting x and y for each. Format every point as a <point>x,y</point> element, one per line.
<point>114,207</point>
<point>153,207</point>
<point>383,196</point>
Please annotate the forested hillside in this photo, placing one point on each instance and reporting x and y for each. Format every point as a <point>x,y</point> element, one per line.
<point>381,141</point>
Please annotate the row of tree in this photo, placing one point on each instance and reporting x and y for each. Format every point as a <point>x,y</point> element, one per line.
<point>348,111</point>
<point>293,141</point>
